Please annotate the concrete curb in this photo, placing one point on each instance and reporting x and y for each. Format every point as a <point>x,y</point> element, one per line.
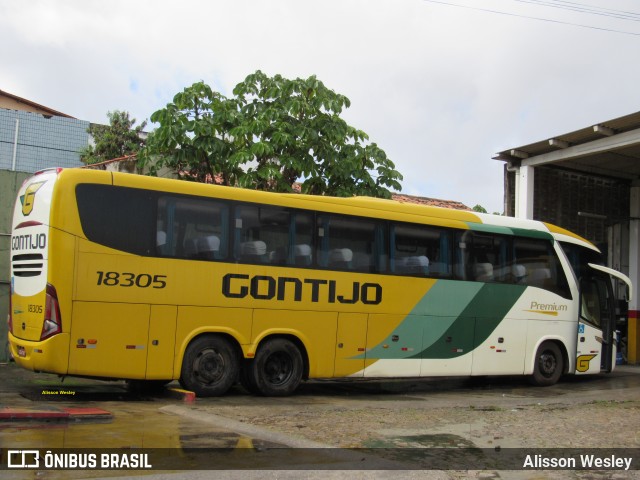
<point>180,394</point>
<point>53,413</point>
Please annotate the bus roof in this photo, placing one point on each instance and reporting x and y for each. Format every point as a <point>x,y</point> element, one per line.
<point>362,206</point>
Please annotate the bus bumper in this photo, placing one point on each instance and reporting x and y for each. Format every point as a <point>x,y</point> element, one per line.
<point>52,353</point>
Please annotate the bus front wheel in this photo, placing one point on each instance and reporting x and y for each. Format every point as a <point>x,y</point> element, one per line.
<point>210,366</point>
<point>276,370</point>
<point>549,365</point>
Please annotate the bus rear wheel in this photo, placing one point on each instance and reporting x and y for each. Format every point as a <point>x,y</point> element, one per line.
<point>276,370</point>
<point>210,366</point>
<point>247,378</point>
<point>549,365</point>
<point>146,386</point>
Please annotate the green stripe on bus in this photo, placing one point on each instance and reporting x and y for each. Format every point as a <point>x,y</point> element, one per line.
<point>478,320</point>
<point>438,309</point>
<point>484,228</point>
<point>451,320</point>
<point>520,232</point>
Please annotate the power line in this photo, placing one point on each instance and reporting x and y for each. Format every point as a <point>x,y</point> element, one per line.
<point>576,7</point>
<point>596,8</point>
<point>549,20</point>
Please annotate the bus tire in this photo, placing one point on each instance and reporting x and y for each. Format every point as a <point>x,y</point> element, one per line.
<point>142,387</point>
<point>549,365</point>
<point>210,366</point>
<point>277,368</point>
<point>247,379</point>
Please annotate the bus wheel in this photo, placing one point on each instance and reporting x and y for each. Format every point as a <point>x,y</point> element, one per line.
<point>549,365</point>
<point>210,366</point>
<point>277,368</point>
<point>247,378</point>
<point>146,386</point>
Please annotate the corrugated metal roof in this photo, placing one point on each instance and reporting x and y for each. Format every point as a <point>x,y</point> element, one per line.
<point>621,159</point>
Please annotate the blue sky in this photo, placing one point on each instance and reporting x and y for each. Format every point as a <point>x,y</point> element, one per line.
<point>440,86</point>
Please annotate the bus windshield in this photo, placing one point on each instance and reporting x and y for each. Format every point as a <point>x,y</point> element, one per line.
<point>580,257</point>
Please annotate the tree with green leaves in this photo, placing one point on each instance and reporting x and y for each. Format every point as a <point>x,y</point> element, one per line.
<point>193,137</point>
<point>272,133</point>
<point>479,208</point>
<point>118,139</point>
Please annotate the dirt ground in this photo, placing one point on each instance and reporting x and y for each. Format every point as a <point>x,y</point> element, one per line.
<point>367,424</point>
<point>601,411</point>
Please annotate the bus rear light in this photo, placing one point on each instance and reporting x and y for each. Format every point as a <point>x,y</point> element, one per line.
<point>30,223</point>
<point>52,324</point>
<point>47,170</point>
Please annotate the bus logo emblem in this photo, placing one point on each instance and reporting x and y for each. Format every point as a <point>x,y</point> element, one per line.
<point>29,198</point>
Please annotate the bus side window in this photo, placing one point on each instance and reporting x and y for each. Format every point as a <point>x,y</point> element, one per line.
<point>348,243</point>
<point>262,234</point>
<point>300,252</point>
<point>118,217</point>
<point>195,229</point>
<point>489,257</point>
<point>420,250</point>
<point>483,257</point>
<point>536,264</point>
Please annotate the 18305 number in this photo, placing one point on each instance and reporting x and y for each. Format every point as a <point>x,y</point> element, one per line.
<point>127,279</point>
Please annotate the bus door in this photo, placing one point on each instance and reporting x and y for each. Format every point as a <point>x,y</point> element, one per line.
<point>351,341</point>
<point>596,325</point>
<point>596,348</point>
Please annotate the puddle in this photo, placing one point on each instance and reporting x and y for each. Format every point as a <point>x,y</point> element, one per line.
<point>458,435</point>
<point>429,451</point>
<point>223,440</point>
<point>438,440</point>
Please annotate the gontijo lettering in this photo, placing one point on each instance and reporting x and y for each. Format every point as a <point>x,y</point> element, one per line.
<point>263,287</point>
<point>29,242</point>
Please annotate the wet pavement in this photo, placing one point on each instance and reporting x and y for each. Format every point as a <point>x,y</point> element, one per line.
<point>83,413</point>
<point>40,410</point>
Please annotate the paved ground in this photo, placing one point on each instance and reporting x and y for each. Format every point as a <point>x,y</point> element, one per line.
<point>397,418</point>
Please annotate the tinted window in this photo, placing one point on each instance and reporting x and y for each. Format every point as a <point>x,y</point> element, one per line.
<point>118,217</point>
<point>273,235</point>
<point>149,223</point>
<point>579,257</point>
<point>351,243</point>
<point>536,264</point>
<point>192,228</point>
<point>421,250</point>
<point>483,257</point>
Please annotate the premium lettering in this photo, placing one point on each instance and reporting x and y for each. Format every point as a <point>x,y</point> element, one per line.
<point>548,307</point>
<point>264,287</point>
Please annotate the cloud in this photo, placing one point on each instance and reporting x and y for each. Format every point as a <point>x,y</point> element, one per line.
<point>439,88</point>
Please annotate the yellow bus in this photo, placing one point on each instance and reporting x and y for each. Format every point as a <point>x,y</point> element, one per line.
<point>122,276</point>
